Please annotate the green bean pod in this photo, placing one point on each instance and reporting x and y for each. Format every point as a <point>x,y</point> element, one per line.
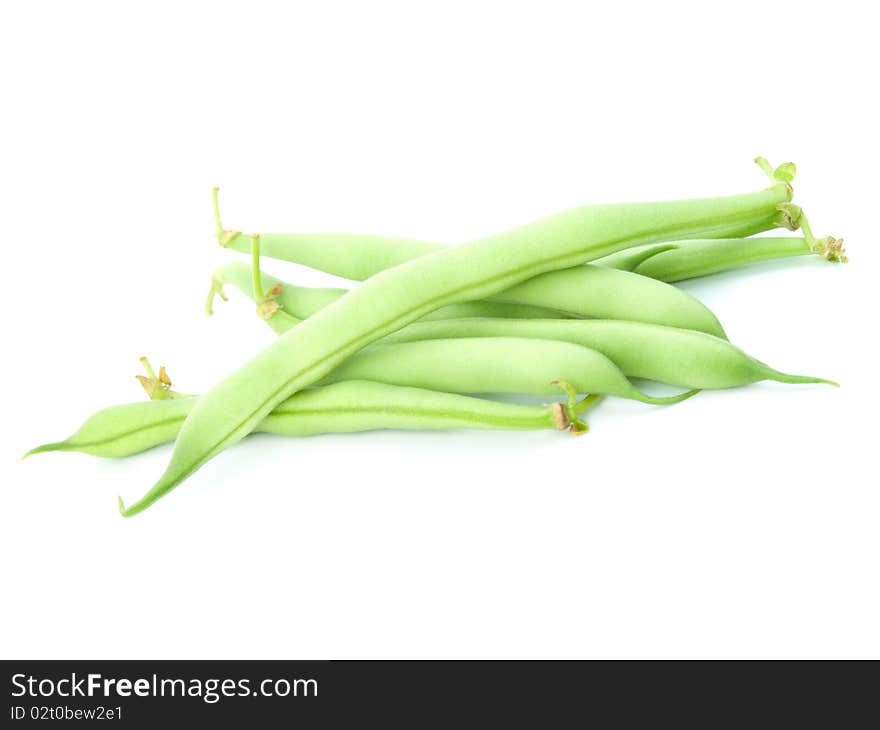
<point>358,257</point>
<point>125,429</point>
<point>344,407</point>
<point>691,259</point>
<point>582,291</point>
<point>606,293</point>
<point>493,365</point>
<point>389,301</point>
<point>670,355</point>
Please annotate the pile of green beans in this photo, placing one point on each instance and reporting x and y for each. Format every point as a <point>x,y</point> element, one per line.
<point>581,301</point>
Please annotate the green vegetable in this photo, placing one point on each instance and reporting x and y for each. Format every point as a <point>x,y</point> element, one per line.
<point>580,291</point>
<point>676,356</point>
<point>670,355</point>
<point>345,407</point>
<point>396,297</point>
<point>682,260</point>
<point>493,365</point>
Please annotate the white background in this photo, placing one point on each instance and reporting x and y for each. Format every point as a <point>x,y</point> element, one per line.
<point>738,524</point>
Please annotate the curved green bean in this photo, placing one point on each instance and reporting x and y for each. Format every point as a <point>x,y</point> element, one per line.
<point>605,293</point>
<point>678,357</point>
<point>493,365</point>
<point>396,297</point>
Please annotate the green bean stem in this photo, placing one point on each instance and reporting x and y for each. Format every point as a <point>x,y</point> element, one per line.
<point>396,297</point>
